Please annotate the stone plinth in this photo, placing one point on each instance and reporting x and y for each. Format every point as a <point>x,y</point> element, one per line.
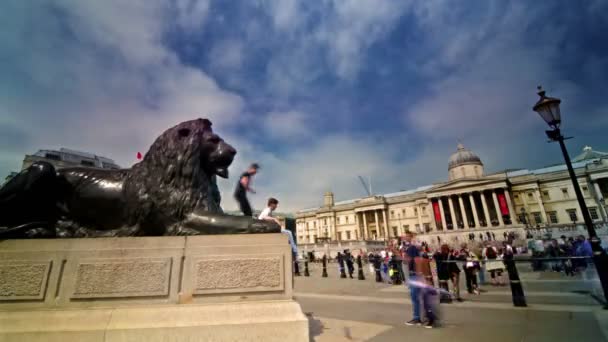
<point>197,288</point>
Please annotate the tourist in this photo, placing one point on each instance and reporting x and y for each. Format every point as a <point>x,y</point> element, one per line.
<point>454,271</point>
<point>493,264</point>
<point>244,186</point>
<point>443,273</point>
<point>424,273</point>
<point>349,263</point>
<point>419,272</point>
<point>266,215</point>
<point>470,269</point>
<point>411,253</point>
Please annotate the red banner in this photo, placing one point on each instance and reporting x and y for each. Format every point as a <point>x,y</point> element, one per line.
<point>502,201</point>
<point>437,212</point>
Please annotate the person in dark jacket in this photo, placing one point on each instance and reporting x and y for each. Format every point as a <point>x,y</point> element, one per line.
<point>443,272</point>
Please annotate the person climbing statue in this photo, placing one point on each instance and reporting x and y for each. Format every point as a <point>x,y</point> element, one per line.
<point>243,186</point>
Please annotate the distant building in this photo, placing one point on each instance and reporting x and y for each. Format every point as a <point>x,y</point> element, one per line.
<point>69,158</point>
<point>469,205</point>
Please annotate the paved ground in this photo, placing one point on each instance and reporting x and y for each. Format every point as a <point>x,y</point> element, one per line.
<point>560,309</point>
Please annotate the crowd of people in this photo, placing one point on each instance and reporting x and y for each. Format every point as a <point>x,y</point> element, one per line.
<point>576,250</point>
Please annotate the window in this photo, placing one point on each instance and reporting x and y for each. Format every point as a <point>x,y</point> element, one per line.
<point>537,218</point>
<point>307,225</point>
<point>315,225</point>
<point>424,210</point>
<point>530,195</point>
<point>417,227</point>
<point>348,235</point>
<point>406,227</point>
<point>572,214</point>
<point>593,213</point>
<point>346,219</point>
<point>415,211</point>
<point>565,193</point>
<point>403,212</point>
<point>395,234</point>
<point>427,227</point>
<point>338,220</point>
<point>546,195</point>
<point>325,222</point>
<point>552,217</point>
<point>585,190</point>
<point>392,214</point>
<point>87,163</point>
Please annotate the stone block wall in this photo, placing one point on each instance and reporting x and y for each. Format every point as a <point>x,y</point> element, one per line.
<point>131,271</point>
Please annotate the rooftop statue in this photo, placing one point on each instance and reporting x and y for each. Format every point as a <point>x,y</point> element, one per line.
<point>172,191</point>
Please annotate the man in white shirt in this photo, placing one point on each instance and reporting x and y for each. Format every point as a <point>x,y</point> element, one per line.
<point>267,216</point>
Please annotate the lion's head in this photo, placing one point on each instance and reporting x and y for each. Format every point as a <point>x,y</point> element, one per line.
<point>177,174</point>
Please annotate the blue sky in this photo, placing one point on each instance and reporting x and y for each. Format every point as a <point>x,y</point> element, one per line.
<point>317,91</point>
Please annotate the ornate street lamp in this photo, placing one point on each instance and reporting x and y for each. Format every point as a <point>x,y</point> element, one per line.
<point>548,109</point>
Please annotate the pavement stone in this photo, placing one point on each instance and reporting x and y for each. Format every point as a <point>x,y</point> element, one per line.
<point>559,309</point>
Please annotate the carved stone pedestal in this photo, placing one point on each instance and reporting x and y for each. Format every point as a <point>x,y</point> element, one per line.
<point>197,288</point>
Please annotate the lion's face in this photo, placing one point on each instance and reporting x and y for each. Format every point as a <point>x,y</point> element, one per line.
<point>213,152</point>
<point>217,153</point>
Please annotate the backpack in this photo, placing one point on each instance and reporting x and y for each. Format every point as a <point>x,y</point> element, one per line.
<point>490,253</point>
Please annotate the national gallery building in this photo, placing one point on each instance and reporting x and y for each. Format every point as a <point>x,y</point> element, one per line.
<point>471,204</point>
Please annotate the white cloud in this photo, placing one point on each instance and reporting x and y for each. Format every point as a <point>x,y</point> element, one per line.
<point>103,70</point>
<point>292,125</point>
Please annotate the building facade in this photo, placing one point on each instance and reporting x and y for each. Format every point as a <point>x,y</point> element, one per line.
<point>69,158</point>
<point>471,205</point>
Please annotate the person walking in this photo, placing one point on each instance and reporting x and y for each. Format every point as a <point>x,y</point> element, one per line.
<point>454,272</point>
<point>493,265</point>
<point>443,273</point>
<point>470,268</point>
<point>419,273</point>
<point>349,263</point>
<point>411,252</point>
<point>244,186</point>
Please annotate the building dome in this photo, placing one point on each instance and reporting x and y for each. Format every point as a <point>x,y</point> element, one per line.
<point>464,164</point>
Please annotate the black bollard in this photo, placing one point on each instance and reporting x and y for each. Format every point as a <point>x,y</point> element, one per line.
<point>324,275</point>
<point>517,291</point>
<point>306,273</point>
<point>361,276</point>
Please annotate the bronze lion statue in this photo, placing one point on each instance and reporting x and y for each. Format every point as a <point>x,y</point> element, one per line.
<point>172,191</point>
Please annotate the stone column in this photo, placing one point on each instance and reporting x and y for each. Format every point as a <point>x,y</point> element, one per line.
<point>377,223</point>
<point>542,206</point>
<point>512,213</point>
<point>501,222</point>
<point>443,222</point>
<point>452,214</point>
<point>474,209</point>
<point>420,219</point>
<point>357,224</point>
<point>486,212</point>
<point>598,197</point>
<point>432,211</point>
<point>463,210</point>
<point>365,231</point>
<point>385,223</point>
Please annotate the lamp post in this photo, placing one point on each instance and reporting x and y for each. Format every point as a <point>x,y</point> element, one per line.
<point>548,109</point>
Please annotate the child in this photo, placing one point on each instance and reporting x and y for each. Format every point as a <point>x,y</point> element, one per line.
<point>266,215</point>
